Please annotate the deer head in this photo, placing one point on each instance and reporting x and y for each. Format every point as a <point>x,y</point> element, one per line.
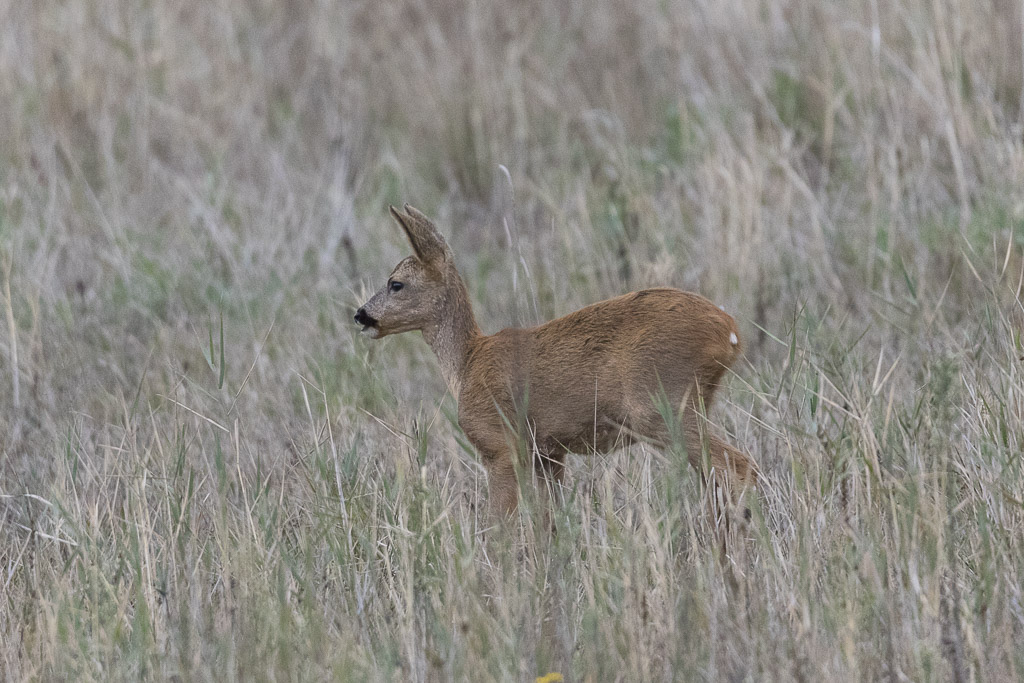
<point>419,289</point>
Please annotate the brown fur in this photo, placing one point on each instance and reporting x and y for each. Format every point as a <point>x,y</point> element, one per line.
<point>577,383</point>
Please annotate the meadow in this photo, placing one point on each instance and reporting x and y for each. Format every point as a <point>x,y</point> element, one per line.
<point>206,473</point>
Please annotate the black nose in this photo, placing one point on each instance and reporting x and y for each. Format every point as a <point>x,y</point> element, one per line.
<point>364,319</point>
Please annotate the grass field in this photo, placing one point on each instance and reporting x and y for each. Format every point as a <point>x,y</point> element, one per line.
<point>207,474</point>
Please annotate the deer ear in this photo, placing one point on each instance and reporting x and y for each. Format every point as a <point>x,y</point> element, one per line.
<point>426,241</point>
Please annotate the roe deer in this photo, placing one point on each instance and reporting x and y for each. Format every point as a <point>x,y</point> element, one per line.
<point>575,383</point>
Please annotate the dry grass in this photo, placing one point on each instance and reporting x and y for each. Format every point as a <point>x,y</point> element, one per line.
<point>206,474</point>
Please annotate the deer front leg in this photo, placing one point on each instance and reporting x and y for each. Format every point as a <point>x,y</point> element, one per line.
<point>487,430</point>
<point>502,485</point>
<point>549,468</point>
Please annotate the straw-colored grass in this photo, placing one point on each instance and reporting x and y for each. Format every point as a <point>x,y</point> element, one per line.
<point>207,474</point>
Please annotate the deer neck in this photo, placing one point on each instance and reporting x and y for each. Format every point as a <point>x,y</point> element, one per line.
<point>452,336</point>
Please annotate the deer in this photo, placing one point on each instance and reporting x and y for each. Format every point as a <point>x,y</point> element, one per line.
<point>585,382</point>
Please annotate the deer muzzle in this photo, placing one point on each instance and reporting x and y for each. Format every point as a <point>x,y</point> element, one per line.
<point>368,322</point>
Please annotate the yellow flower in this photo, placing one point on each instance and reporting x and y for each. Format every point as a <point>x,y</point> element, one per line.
<point>552,677</point>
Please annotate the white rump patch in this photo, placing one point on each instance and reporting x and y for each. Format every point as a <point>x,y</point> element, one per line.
<point>733,339</point>
<point>722,309</point>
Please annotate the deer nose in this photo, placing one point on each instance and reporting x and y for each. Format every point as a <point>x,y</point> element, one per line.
<point>365,319</point>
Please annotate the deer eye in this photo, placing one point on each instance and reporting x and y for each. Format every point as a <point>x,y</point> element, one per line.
<point>395,286</point>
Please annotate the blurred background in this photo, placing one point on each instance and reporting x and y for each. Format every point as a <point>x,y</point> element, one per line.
<point>193,200</point>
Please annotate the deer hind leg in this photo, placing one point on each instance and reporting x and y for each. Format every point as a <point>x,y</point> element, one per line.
<point>730,471</point>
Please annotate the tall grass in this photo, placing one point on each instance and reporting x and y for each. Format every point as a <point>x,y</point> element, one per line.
<point>206,474</point>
